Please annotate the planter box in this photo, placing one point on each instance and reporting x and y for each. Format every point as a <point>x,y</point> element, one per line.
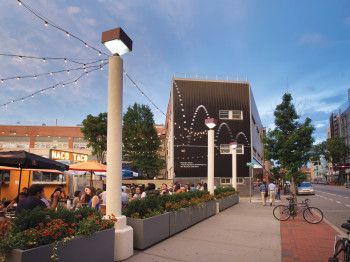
<point>235,199</point>
<point>210,208</point>
<point>97,247</point>
<point>198,213</point>
<point>179,220</point>
<point>149,231</point>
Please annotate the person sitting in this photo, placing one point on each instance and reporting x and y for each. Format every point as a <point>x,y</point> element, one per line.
<point>35,193</point>
<point>44,199</point>
<point>91,198</point>
<point>164,190</point>
<point>187,188</point>
<point>205,187</point>
<point>199,186</point>
<point>125,197</point>
<point>76,199</point>
<point>61,191</point>
<point>193,188</point>
<point>178,189</point>
<point>171,189</point>
<point>16,200</point>
<point>139,194</point>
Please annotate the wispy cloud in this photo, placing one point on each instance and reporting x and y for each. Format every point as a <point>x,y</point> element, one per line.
<point>313,40</point>
<point>73,10</point>
<point>347,20</point>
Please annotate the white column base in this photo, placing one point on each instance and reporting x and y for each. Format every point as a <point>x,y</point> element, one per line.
<point>123,243</point>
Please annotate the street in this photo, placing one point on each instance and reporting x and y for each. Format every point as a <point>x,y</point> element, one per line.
<point>334,201</point>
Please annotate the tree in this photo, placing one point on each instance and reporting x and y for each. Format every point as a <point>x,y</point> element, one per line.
<point>95,131</point>
<point>335,151</point>
<point>290,142</point>
<point>338,152</point>
<point>140,140</point>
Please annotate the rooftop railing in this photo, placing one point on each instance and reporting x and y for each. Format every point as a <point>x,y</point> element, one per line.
<point>211,77</point>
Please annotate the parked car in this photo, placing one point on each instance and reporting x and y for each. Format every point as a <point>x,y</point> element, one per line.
<point>305,188</point>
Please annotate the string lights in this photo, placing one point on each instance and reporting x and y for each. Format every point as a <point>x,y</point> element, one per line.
<point>47,22</point>
<point>52,73</point>
<point>63,84</point>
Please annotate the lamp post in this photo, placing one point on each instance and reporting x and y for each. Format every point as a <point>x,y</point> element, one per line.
<point>118,43</point>
<point>211,123</point>
<point>233,146</point>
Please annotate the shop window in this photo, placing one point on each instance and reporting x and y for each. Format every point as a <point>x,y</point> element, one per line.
<point>240,180</point>
<point>48,177</point>
<point>225,181</point>
<point>5,175</point>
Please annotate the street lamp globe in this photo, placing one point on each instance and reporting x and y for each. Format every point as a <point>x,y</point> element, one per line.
<point>211,122</point>
<point>117,41</point>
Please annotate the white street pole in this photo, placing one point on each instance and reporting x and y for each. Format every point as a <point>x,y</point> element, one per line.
<point>123,234</point>
<point>211,161</point>
<point>234,168</point>
<point>114,136</point>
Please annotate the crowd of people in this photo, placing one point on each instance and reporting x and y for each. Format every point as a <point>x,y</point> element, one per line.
<point>273,191</point>
<point>35,196</point>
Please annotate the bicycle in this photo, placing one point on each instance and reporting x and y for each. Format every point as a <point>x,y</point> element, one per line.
<point>312,215</point>
<point>341,246</point>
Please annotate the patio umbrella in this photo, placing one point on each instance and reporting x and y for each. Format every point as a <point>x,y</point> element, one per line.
<point>91,166</point>
<point>26,160</point>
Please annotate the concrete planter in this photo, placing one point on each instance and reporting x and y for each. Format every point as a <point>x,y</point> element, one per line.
<point>96,247</point>
<point>226,202</point>
<point>210,208</point>
<point>149,231</point>
<point>198,213</point>
<point>235,199</point>
<point>179,220</point>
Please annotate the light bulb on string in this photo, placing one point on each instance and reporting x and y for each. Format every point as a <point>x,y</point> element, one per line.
<point>18,77</point>
<point>99,53</point>
<point>41,91</point>
<point>46,23</point>
<point>53,87</point>
<point>65,60</point>
<point>86,45</point>
<point>62,85</point>
<point>19,2</point>
<point>102,60</point>
<point>32,95</point>
<point>67,34</point>
<point>76,81</point>
<point>87,73</point>
<point>51,73</point>
<point>101,67</point>
<point>35,77</point>
<point>44,60</point>
<point>12,101</point>
<point>20,57</point>
<point>22,99</point>
<point>2,80</point>
<point>5,105</point>
<point>67,71</point>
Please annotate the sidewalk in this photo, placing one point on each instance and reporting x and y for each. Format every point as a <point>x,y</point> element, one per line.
<point>245,232</point>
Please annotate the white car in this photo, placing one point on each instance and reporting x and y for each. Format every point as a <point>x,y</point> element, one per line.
<point>305,188</point>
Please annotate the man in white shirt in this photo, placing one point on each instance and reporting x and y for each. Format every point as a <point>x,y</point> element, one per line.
<point>272,193</point>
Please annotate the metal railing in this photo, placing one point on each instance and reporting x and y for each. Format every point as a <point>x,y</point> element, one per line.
<point>211,77</point>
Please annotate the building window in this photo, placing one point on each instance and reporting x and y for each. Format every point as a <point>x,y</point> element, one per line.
<point>225,149</point>
<point>5,175</point>
<point>224,114</point>
<point>240,180</point>
<point>14,142</point>
<point>225,181</point>
<point>231,114</point>
<point>51,142</point>
<point>48,177</point>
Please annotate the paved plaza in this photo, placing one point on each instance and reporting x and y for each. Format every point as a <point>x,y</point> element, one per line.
<point>246,232</point>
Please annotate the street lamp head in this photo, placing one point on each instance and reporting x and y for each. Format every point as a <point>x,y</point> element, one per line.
<point>117,41</point>
<point>211,122</point>
<point>233,145</point>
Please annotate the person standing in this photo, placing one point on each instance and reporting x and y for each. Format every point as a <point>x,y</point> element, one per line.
<point>278,196</point>
<point>272,193</point>
<point>263,189</point>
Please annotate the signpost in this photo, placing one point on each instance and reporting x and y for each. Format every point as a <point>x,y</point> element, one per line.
<point>250,180</point>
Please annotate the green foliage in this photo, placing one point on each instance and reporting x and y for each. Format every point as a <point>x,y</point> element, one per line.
<point>95,132</point>
<point>290,142</point>
<point>224,191</point>
<point>141,141</point>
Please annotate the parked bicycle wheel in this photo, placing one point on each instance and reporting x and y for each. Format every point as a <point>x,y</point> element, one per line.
<point>341,255</point>
<point>313,215</point>
<point>281,212</point>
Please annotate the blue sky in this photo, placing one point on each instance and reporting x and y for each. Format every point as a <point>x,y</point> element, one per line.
<point>297,46</point>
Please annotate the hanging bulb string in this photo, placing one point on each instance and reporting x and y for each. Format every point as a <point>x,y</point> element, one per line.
<point>73,60</point>
<point>62,83</point>
<point>48,22</point>
<point>50,73</point>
